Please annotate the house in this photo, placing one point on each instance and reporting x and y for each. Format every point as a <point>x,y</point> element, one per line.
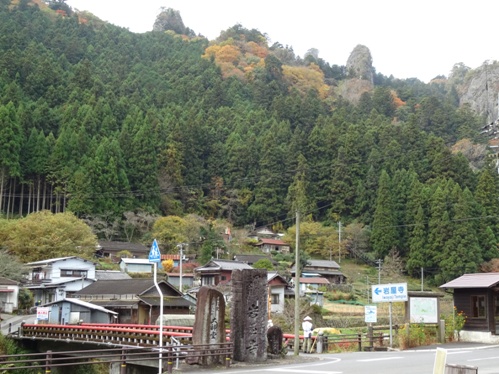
<point>114,250</point>
<point>58,278</point>
<point>187,279</point>
<point>312,283</point>
<point>111,275</point>
<point>262,232</point>
<point>73,311</point>
<point>136,300</point>
<point>136,265</point>
<point>272,245</point>
<point>277,286</point>
<point>9,292</point>
<point>477,296</point>
<point>175,257</point>
<point>218,271</point>
<point>322,268</point>
<point>251,259</point>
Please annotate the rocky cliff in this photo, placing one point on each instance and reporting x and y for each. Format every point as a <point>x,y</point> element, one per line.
<point>360,74</point>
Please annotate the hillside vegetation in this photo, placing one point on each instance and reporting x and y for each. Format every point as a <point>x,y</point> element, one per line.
<point>115,126</point>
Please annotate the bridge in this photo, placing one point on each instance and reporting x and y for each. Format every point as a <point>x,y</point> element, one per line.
<point>131,348</point>
<point>136,344</point>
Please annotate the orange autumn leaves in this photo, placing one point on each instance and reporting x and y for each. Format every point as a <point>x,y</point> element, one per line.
<point>240,59</point>
<point>237,59</point>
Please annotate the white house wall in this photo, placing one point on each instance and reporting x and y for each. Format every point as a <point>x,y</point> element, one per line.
<point>72,264</point>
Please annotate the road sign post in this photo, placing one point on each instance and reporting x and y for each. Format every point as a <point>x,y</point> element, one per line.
<point>155,258</point>
<point>388,293</point>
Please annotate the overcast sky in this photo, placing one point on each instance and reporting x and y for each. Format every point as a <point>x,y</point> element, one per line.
<point>407,39</point>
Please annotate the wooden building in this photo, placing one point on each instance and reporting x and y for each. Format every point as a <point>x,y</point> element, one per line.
<point>477,296</point>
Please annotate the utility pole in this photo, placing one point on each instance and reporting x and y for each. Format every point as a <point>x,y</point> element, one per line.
<point>339,242</point>
<point>297,287</point>
<point>379,262</point>
<point>181,248</point>
<point>368,290</point>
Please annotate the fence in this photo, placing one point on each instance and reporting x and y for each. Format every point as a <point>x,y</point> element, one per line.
<point>369,341</point>
<point>121,356</point>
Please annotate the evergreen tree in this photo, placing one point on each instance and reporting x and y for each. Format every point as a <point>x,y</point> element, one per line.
<point>10,146</point>
<point>384,231</point>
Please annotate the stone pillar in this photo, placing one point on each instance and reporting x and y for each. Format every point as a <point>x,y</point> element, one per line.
<point>209,325</point>
<point>248,314</point>
<point>274,337</point>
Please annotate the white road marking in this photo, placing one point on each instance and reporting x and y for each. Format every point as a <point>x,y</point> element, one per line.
<point>302,371</point>
<point>457,352</point>
<point>484,359</point>
<point>294,368</point>
<point>380,359</point>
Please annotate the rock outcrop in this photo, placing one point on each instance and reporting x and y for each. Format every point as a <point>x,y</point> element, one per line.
<point>360,75</point>
<point>480,90</point>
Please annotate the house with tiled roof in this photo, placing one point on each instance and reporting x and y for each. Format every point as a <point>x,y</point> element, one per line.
<point>250,259</point>
<point>136,300</point>
<point>218,271</point>
<point>272,245</point>
<point>113,250</point>
<point>56,278</point>
<point>322,268</point>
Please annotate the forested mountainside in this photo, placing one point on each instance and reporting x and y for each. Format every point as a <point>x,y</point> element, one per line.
<point>97,120</point>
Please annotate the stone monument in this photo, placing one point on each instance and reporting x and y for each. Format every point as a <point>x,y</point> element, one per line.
<point>209,326</point>
<point>248,314</point>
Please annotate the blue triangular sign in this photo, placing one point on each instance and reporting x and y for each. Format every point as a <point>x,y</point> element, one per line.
<point>154,253</point>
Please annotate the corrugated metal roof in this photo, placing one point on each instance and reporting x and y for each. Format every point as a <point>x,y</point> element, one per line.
<point>223,265</point>
<point>476,280</point>
<point>314,280</point>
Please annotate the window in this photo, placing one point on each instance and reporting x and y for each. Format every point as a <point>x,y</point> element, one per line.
<point>208,280</point>
<point>478,309</point>
<point>275,298</point>
<point>497,305</point>
<point>73,273</point>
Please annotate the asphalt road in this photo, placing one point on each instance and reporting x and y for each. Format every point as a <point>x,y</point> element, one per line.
<point>420,361</point>
<point>12,321</point>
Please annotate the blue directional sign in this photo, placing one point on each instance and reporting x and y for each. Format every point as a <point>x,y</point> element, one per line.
<point>371,313</point>
<point>389,292</point>
<point>154,253</point>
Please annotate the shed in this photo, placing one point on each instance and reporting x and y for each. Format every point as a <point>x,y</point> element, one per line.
<point>477,296</point>
<point>72,311</point>
<point>136,265</point>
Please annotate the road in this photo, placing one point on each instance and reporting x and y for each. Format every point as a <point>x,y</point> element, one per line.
<point>12,322</point>
<point>486,358</point>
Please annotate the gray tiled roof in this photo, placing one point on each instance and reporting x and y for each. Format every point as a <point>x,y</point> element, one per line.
<point>111,275</point>
<point>117,287</point>
<point>123,246</point>
<point>224,265</point>
<point>476,280</point>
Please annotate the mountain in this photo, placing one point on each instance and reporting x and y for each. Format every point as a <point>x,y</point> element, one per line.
<point>106,123</point>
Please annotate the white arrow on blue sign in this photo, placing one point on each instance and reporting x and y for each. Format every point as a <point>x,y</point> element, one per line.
<point>389,292</point>
<point>154,253</point>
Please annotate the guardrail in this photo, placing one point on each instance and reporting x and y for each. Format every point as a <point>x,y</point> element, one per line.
<point>169,354</point>
<point>144,336</point>
<point>148,335</point>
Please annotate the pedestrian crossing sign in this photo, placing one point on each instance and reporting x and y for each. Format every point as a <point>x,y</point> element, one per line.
<point>154,253</point>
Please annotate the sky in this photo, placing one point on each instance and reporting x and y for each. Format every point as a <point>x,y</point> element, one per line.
<point>407,39</point>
